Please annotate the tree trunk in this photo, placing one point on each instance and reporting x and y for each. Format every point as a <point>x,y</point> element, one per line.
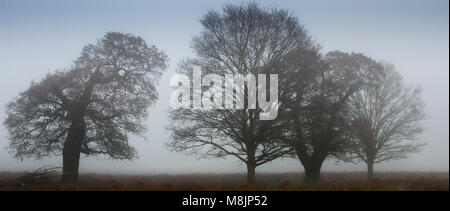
<point>251,164</point>
<point>369,170</point>
<point>312,165</point>
<point>251,174</point>
<point>72,150</point>
<point>312,172</point>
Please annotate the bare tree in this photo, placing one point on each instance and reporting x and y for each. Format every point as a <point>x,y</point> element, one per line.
<point>89,108</point>
<point>384,120</point>
<point>243,40</point>
<point>319,105</point>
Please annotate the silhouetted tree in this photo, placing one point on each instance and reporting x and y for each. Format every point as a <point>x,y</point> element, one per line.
<point>384,120</point>
<point>89,108</point>
<point>318,107</point>
<point>243,40</point>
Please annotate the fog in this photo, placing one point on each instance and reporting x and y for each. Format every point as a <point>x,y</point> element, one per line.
<point>38,37</point>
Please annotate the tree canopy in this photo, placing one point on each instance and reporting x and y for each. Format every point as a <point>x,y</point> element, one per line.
<point>241,40</point>
<point>90,107</point>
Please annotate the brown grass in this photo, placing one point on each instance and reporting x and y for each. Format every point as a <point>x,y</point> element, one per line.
<point>330,181</point>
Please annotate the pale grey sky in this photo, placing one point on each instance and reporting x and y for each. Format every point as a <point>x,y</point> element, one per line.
<point>36,37</point>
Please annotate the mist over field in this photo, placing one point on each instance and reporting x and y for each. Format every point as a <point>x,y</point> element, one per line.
<point>39,37</point>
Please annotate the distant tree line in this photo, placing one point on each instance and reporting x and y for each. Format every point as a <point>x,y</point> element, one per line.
<point>337,105</point>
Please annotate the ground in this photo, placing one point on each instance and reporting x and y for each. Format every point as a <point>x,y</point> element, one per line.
<point>346,181</point>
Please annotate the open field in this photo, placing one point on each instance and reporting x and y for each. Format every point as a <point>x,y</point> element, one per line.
<point>331,181</point>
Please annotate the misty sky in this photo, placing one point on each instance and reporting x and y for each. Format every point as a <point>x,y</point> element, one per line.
<point>37,37</point>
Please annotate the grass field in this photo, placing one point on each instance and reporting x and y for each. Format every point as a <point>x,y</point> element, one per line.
<point>330,181</point>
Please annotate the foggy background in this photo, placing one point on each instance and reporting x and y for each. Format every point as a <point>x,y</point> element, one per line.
<point>37,37</point>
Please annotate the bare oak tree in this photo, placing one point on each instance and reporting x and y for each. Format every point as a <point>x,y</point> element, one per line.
<point>384,120</point>
<point>242,40</point>
<point>318,107</point>
<point>89,108</point>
